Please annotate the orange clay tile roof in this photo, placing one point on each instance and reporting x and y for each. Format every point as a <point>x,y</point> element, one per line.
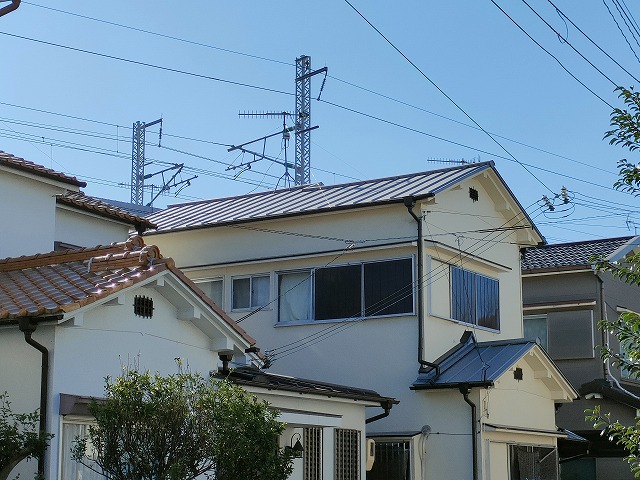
<point>11,161</point>
<point>102,208</point>
<point>59,282</point>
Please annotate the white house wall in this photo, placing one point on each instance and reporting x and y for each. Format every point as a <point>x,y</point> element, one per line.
<point>25,199</point>
<point>83,229</point>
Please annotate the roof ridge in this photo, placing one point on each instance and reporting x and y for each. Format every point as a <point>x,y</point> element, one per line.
<point>320,185</point>
<point>42,259</point>
<point>101,207</point>
<point>24,165</point>
<point>583,242</point>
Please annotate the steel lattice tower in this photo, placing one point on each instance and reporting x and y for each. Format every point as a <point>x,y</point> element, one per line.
<point>303,121</point>
<point>137,163</point>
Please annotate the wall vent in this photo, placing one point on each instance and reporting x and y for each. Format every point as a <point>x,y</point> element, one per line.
<point>143,306</point>
<point>473,194</point>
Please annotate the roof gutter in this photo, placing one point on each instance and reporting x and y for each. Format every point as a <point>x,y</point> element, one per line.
<point>387,405</point>
<point>410,202</point>
<point>27,327</point>
<point>10,8</point>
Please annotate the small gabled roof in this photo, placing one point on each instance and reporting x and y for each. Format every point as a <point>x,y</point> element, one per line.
<point>100,207</point>
<point>249,376</point>
<point>576,255</point>
<point>611,391</point>
<point>317,198</point>
<point>56,283</point>
<point>17,163</point>
<point>480,364</point>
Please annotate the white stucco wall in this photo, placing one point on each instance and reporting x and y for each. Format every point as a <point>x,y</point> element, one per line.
<point>27,214</point>
<point>87,230</point>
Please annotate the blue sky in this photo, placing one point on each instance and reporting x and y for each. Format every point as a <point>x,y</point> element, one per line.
<point>539,115</point>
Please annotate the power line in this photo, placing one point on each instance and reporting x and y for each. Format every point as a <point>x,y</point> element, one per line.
<point>447,96</point>
<point>552,56</point>
<point>560,12</point>
<point>619,28</point>
<point>146,64</point>
<point>565,40</point>
<point>162,35</point>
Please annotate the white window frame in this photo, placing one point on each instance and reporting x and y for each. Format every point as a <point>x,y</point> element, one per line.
<point>251,305</point>
<point>209,280</point>
<point>311,271</point>
<point>62,449</point>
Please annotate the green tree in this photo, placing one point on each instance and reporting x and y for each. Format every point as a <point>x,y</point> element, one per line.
<point>625,132</point>
<point>152,427</point>
<point>20,438</point>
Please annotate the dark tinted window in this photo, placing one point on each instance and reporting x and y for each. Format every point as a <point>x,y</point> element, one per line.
<point>338,292</point>
<point>388,287</point>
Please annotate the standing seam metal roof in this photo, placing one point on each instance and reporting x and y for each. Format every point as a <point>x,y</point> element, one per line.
<point>308,199</point>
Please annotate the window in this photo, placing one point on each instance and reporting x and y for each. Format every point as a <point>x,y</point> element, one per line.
<point>251,292</point>
<point>312,453</point>
<point>474,298</point>
<point>213,289</point>
<point>392,461</point>
<point>347,443</point>
<point>535,327</point>
<point>529,462</point>
<point>349,291</point>
<point>71,468</point>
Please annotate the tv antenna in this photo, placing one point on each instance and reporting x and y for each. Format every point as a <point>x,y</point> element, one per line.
<point>302,128</point>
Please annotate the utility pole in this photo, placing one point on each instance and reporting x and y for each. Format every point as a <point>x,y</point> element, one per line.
<point>303,118</point>
<point>138,160</point>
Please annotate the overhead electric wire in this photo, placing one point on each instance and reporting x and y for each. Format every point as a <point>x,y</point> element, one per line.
<point>552,56</point>
<point>157,34</point>
<point>445,95</point>
<point>624,17</point>
<point>566,40</point>
<point>146,64</point>
<point>594,43</point>
<point>621,31</point>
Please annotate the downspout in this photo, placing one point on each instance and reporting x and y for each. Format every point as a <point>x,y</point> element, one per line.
<point>465,391</point>
<point>10,8</point>
<point>410,202</point>
<point>606,371</point>
<point>28,328</point>
<point>387,409</point>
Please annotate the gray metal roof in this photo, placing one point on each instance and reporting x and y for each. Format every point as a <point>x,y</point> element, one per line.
<point>252,377</point>
<point>574,254</point>
<point>309,199</point>
<point>473,364</point>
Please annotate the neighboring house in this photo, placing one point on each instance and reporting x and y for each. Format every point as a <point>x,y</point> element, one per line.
<point>564,298</point>
<point>69,319</point>
<point>64,216</point>
<point>379,283</point>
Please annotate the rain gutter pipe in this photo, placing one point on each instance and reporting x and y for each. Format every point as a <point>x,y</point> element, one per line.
<point>28,328</point>
<point>387,409</point>
<point>465,391</point>
<point>410,202</point>
<point>10,8</point>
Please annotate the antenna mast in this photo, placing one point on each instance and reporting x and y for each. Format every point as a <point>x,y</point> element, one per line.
<point>303,118</point>
<point>138,159</point>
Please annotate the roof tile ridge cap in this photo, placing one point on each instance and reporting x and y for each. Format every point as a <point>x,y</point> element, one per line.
<point>55,257</point>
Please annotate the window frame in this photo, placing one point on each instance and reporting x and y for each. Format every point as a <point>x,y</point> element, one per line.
<point>312,290</point>
<point>208,280</point>
<point>251,305</point>
<point>544,342</point>
<point>344,438</point>
<point>475,276</point>
<point>69,420</point>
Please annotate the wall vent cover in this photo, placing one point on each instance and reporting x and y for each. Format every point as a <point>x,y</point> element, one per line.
<point>143,306</point>
<point>473,194</point>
